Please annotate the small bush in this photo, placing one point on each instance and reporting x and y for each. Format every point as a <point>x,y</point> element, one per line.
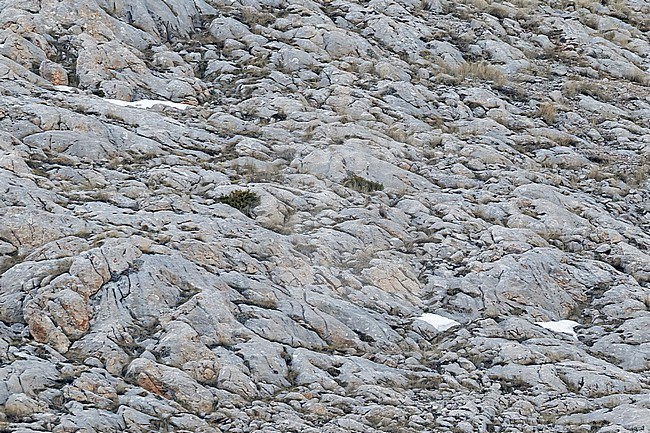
<point>360,184</point>
<point>241,199</point>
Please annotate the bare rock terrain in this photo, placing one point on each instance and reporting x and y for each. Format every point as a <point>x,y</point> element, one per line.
<point>258,215</point>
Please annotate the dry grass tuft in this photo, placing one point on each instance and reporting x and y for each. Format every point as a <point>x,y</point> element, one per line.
<point>591,88</point>
<point>476,70</point>
<point>548,112</point>
<point>638,76</point>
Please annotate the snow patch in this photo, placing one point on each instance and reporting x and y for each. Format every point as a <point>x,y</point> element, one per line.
<point>564,326</point>
<point>441,323</point>
<point>146,103</point>
<point>66,89</point>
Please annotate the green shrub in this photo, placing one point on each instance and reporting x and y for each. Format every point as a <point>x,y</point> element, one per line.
<point>360,184</point>
<point>242,199</point>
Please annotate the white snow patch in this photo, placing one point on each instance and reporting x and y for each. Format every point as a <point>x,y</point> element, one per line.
<point>441,323</point>
<point>564,326</point>
<point>66,89</point>
<point>147,103</point>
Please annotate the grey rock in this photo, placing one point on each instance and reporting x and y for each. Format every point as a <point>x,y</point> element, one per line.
<point>21,406</point>
<point>54,73</point>
<point>504,184</point>
<point>170,383</point>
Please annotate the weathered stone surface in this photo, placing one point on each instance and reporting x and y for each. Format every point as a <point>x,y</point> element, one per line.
<point>482,162</point>
<point>54,73</point>
<point>21,406</point>
<point>170,383</point>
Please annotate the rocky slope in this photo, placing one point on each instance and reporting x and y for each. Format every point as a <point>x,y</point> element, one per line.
<point>256,256</point>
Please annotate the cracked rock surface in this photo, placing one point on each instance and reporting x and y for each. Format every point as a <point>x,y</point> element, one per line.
<point>255,251</point>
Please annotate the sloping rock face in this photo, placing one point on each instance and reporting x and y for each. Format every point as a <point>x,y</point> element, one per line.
<point>256,256</point>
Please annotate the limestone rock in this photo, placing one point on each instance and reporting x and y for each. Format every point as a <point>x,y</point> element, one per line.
<point>483,162</point>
